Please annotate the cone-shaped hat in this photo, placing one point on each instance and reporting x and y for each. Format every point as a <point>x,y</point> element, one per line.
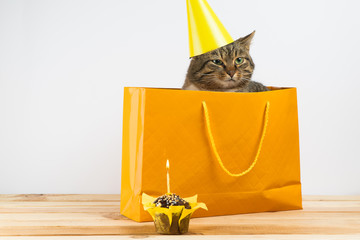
<point>206,32</point>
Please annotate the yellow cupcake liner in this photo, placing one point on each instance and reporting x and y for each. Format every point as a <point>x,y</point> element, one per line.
<point>164,217</point>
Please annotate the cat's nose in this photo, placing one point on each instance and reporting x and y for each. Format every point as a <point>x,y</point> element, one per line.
<point>231,73</point>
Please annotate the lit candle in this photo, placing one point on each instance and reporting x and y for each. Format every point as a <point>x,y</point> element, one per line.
<point>167,175</point>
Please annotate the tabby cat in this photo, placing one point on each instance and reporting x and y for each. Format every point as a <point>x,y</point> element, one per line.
<point>228,69</point>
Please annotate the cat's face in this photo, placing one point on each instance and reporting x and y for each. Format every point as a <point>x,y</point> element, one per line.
<point>227,67</point>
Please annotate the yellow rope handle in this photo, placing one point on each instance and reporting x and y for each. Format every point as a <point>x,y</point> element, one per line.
<point>212,142</point>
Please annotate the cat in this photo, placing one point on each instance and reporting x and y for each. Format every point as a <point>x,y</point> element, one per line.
<point>227,69</point>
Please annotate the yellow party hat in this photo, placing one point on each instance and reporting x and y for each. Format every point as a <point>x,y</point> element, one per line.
<point>206,32</point>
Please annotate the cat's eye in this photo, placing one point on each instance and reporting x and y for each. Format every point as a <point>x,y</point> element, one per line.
<point>217,62</point>
<point>239,60</point>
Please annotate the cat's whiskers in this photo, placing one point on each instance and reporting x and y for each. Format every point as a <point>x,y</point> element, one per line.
<point>207,74</point>
<point>208,83</point>
<point>248,79</point>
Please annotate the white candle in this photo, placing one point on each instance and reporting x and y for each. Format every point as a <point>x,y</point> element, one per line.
<point>167,175</point>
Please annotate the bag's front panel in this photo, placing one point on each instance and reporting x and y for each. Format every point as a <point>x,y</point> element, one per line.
<point>169,133</point>
<point>175,129</point>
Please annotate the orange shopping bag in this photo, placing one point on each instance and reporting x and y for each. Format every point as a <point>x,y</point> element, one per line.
<point>238,151</point>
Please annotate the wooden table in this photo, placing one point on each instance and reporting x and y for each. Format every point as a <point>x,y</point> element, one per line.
<point>97,217</point>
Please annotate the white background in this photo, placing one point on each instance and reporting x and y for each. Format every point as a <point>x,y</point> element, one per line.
<point>63,66</point>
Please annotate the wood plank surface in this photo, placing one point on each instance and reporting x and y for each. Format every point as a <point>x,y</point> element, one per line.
<point>192,237</point>
<point>82,216</point>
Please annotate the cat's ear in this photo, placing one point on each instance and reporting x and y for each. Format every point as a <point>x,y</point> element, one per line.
<point>246,40</point>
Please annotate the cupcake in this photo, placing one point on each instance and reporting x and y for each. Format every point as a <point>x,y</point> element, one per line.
<point>170,212</point>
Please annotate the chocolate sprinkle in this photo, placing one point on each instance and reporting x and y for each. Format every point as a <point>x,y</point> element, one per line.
<point>171,200</point>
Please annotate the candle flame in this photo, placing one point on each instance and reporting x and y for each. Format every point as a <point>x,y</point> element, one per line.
<point>167,164</point>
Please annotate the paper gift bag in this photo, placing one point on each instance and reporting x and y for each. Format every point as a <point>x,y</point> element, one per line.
<point>239,152</point>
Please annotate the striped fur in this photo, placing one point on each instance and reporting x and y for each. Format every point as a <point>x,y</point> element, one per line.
<point>205,74</point>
